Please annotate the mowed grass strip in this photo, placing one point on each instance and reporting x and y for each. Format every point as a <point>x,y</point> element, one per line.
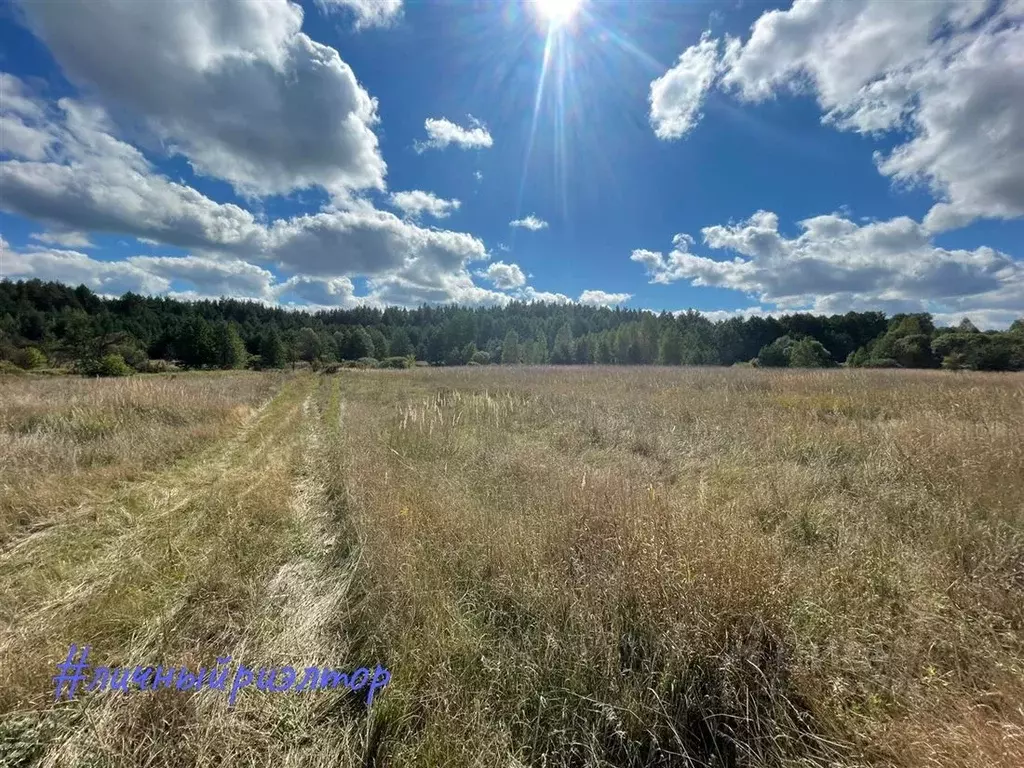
<point>67,440</point>
<point>169,570</point>
<point>699,567</point>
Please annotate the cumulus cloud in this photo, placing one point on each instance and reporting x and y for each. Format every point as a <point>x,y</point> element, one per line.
<point>367,13</point>
<point>675,97</point>
<point>368,242</point>
<point>210,276</point>
<point>504,276</point>
<point>334,292</point>
<point>90,181</point>
<point>66,239</point>
<point>194,275</point>
<point>76,268</point>
<point>946,76</point>
<point>442,133</point>
<point>416,202</point>
<point>234,86</point>
<point>532,295</point>
<point>530,222</point>
<point>603,298</point>
<point>836,265</point>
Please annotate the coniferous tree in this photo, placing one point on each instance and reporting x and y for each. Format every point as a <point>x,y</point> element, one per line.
<point>197,344</point>
<point>231,352</point>
<point>510,354</point>
<point>400,346</point>
<point>272,350</point>
<point>671,352</point>
<point>562,352</point>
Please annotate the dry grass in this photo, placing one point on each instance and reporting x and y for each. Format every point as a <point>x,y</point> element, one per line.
<point>600,567</point>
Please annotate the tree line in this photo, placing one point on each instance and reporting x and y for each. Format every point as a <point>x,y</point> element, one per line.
<point>49,324</point>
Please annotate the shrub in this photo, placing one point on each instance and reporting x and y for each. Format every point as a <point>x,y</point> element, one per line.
<point>10,369</point>
<point>30,358</point>
<point>809,353</point>
<point>367,362</point>
<point>398,362</point>
<point>108,365</point>
<point>776,354</point>
<point>156,366</point>
<point>883,362</point>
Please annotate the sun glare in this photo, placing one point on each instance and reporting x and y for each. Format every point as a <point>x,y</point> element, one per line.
<point>556,13</point>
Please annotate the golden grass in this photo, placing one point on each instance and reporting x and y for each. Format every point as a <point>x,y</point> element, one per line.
<point>585,567</point>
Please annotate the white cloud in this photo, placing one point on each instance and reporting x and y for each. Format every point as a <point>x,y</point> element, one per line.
<point>368,242</point>
<point>415,202</point>
<point>530,222</point>
<point>367,13</point>
<point>504,276</point>
<point>603,298</point>
<point>531,295</point>
<point>836,265</point>
<point>235,86</point>
<point>947,75</point>
<point>210,276</point>
<point>676,96</point>
<point>335,292</point>
<point>478,175</point>
<point>455,287</point>
<point>68,239</point>
<point>75,268</point>
<point>91,181</point>
<point>442,132</point>
<point>717,315</point>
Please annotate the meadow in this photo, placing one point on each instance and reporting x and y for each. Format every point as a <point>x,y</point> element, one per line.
<point>561,566</point>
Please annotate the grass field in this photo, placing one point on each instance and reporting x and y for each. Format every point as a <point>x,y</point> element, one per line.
<point>560,567</point>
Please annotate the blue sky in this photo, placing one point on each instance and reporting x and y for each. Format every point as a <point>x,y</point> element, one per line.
<point>731,157</point>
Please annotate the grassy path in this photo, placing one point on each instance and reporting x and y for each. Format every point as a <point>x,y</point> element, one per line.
<point>231,552</point>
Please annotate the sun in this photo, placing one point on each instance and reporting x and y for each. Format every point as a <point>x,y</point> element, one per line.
<point>556,13</point>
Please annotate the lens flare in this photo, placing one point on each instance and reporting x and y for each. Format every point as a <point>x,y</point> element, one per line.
<point>555,13</point>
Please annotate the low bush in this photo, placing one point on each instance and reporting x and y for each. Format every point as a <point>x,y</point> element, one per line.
<point>30,358</point>
<point>156,366</point>
<point>108,365</point>
<point>397,362</point>
<point>10,369</point>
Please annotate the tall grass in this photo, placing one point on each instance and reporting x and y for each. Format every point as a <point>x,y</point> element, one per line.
<point>707,567</point>
<point>560,567</point>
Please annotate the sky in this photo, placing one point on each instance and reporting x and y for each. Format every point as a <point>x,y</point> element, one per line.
<point>736,158</point>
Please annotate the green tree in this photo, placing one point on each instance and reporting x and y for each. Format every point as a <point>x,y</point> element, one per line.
<point>562,353</point>
<point>858,358</point>
<point>400,345</point>
<point>671,352</point>
<point>380,343</point>
<point>272,351</point>
<point>913,351</point>
<point>355,343</point>
<point>231,352</point>
<point>809,353</point>
<point>510,354</point>
<point>196,344</point>
<point>776,354</point>
<point>308,345</point>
